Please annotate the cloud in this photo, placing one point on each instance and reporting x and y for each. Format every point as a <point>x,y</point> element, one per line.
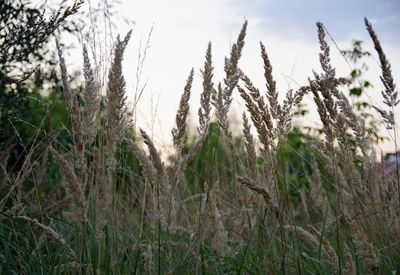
<point>295,18</point>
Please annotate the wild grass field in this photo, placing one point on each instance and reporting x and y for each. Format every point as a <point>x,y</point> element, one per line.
<point>82,191</point>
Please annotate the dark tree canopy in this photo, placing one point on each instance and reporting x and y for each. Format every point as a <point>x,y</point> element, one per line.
<point>24,31</point>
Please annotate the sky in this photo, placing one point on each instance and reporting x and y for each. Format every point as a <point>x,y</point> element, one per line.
<point>182,29</point>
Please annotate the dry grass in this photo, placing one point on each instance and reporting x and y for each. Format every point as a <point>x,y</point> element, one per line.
<point>239,210</point>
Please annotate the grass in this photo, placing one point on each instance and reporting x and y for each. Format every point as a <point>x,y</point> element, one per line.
<point>275,200</point>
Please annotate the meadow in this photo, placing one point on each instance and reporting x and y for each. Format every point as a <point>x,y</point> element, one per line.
<point>82,191</point>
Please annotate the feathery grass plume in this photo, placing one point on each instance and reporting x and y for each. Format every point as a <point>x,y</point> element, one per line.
<point>218,102</point>
<point>343,195</point>
<point>390,93</point>
<point>327,80</point>
<point>326,106</point>
<point>349,266</point>
<point>336,123</point>
<point>219,235</point>
<point>73,109</point>
<point>208,90</point>
<point>262,191</point>
<point>284,122</point>
<point>203,113</point>
<point>213,225</point>
<point>178,133</point>
<point>68,94</point>
<point>250,200</point>
<point>75,187</point>
<point>116,99</point>
<point>348,158</point>
<point>223,98</point>
<point>355,123</point>
<point>262,107</point>
<point>326,246</point>
<point>387,116</point>
<point>231,67</point>
<point>32,155</point>
<point>155,157</point>
<point>332,168</point>
<point>50,232</point>
<point>200,199</point>
<point>161,174</point>
<point>274,113</point>
<point>149,172</point>
<point>147,206</point>
<point>340,129</point>
<point>149,258</point>
<point>16,209</point>
<point>318,194</point>
<point>256,116</point>
<point>272,94</point>
<point>250,147</point>
<point>327,84</point>
<point>90,100</point>
<point>324,56</point>
<point>328,251</point>
<point>163,192</point>
<point>117,120</point>
<point>103,194</point>
<point>324,116</point>
<point>366,251</point>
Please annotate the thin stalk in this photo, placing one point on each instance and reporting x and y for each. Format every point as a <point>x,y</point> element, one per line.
<point>397,158</point>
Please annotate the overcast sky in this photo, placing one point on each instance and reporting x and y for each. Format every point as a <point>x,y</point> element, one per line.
<point>182,29</point>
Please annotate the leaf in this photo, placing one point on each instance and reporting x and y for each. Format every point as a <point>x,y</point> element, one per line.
<point>356,91</point>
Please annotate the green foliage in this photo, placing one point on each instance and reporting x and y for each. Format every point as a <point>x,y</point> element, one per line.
<point>357,89</point>
<point>18,239</point>
<point>295,155</point>
<point>212,156</point>
<point>21,46</point>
